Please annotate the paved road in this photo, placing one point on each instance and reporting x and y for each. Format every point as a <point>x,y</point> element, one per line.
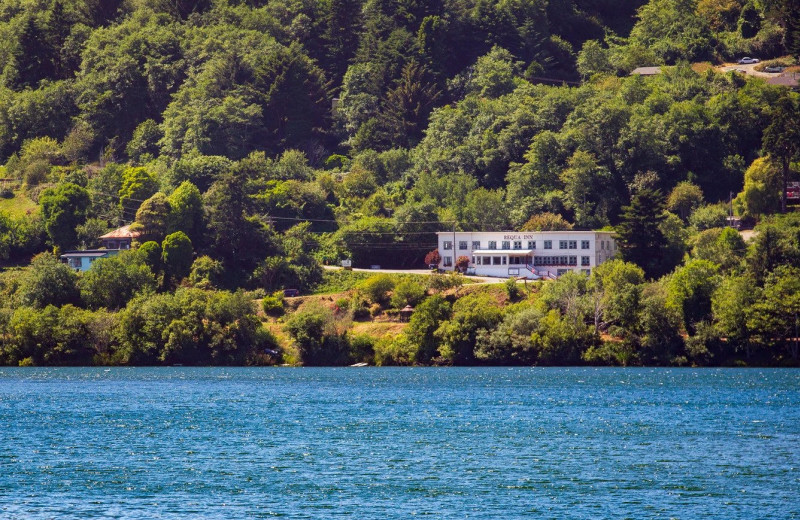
<point>428,272</point>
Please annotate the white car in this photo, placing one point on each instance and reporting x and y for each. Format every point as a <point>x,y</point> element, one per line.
<point>747,61</point>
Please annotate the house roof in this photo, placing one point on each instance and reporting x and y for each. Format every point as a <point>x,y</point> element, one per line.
<point>90,253</point>
<point>791,79</point>
<point>646,71</point>
<point>123,232</point>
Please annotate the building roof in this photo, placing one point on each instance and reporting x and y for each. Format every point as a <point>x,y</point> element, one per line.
<point>123,232</point>
<point>788,79</point>
<point>512,232</point>
<point>89,253</point>
<point>646,71</point>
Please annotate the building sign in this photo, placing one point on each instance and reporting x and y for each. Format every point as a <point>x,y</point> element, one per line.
<point>519,237</point>
<point>347,263</point>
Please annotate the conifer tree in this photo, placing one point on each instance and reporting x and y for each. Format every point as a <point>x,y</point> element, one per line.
<point>639,236</point>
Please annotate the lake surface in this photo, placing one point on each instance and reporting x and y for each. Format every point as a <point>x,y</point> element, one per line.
<point>398,443</point>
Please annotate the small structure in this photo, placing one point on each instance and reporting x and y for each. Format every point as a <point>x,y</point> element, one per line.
<point>646,71</point>
<point>787,79</point>
<point>406,312</point>
<point>82,260</point>
<point>111,244</point>
<point>120,238</point>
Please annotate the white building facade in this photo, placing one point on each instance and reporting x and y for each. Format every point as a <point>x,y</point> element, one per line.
<point>526,254</point>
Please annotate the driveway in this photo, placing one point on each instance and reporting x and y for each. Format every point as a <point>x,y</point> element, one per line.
<point>479,279</point>
<point>750,70</point>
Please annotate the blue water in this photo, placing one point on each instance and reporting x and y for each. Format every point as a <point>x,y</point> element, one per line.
<point>397,443</point>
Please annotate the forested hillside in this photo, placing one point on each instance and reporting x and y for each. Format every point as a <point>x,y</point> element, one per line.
<point>250,142</point>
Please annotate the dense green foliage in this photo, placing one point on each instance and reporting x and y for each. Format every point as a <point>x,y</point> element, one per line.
<point>250,142</point>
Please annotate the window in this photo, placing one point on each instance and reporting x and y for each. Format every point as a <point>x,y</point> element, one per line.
<point>447,261</point>
<point>584,260</point>
<point>492,244</point>
<point>573,244</point>
<point>548,244</point>
<point>503,258</point>
<point>602,244</point>
<point>562,244</point>
<point>531,244</point>
<point>518,244</point>
<point>487,260</point>
<point>585,271</point>
<point>506,244</point>
<point>448,245</point>
<point>476,260</point>
<point>573,260</point>
<point>495,260</point>
<point>561,271</point>
<point>584,244</point>
<point>476,244</point>
<point>462,245</point>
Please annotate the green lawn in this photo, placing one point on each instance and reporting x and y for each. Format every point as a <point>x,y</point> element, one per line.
<point>18,206</point>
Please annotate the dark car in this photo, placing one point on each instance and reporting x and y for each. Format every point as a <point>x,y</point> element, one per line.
<point>291,293</point>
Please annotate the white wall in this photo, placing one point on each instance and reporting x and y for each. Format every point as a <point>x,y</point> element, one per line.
<point>601,248</point>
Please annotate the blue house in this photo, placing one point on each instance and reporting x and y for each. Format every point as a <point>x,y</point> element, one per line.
<point>113,242</point>
<point>82,260</point>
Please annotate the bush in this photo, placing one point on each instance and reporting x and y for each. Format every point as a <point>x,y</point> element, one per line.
<point>709,216</point>
<point>376,288</point>
<point>394,351</point>
<point>206,272</point>
<point>273,304</point>
<point>192,327</point>
<point>362,348</point>
<point>442,282</point>
<point>512,288</point>
<point>319,340</point>
<point>407,293</point>
<point>433,258</point>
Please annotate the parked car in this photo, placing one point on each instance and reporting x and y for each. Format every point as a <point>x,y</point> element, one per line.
<point>776,68</point>
<point>291,293</point>
<point>747,61</point>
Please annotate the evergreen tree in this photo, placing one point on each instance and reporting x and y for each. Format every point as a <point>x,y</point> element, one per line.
<point>639,236</point>
<point>341,35</point>
<point>782,136</point>
<point>407,106</point>
<point>34,55</point>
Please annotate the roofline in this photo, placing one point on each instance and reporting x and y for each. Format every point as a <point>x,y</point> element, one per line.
<point>528,232</point>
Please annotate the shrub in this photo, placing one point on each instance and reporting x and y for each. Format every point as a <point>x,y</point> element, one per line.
<point>376,288</point>
<point>512,288</point>
<point>407,293</point>
<point>394,351</point>
<point>273,304</point>
<point>206,273</point>
<point>319,340</point>
<point>362,348</point>
<point>442,282</point>
<point>433,258</point>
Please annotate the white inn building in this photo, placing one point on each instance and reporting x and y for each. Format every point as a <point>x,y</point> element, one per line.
<point>532,254</point>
